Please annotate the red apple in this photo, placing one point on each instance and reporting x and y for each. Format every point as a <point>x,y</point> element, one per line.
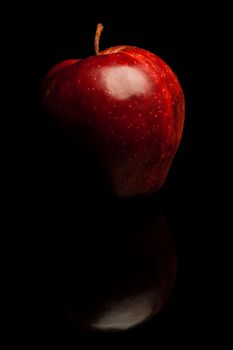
<point>129,105</point>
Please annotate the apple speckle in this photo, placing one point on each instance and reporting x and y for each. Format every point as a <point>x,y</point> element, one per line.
<point>134,107</point>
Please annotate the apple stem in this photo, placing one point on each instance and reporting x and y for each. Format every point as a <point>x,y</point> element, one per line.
<point>98,32</point>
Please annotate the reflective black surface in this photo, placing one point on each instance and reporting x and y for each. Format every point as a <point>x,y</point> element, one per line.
<point>120,277</point>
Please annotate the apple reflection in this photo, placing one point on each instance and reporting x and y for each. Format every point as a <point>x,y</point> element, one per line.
<point>120,278</point>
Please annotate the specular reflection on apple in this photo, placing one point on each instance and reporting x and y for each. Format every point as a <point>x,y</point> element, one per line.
<point>120,279</point>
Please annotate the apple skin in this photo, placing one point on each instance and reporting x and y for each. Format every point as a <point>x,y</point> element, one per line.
<point>129,105</point>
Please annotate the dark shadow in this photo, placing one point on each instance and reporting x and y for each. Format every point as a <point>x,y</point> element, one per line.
<point>74,170</point>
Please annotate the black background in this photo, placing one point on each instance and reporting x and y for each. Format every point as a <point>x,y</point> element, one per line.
<point>186,37</point>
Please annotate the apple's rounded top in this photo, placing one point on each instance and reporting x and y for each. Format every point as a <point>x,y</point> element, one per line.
<point>110,50</point>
